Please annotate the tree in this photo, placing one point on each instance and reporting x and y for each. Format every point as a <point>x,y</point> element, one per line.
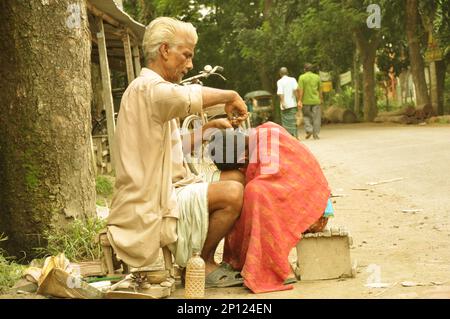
<point>253,39</point>
<point>46,164</point>
<point>413,32</point>
<point>329,26</point>
<point>435,17</point>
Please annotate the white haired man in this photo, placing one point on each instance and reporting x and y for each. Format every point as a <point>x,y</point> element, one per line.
<point>157,201</point>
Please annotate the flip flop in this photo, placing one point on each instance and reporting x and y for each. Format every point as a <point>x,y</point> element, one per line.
<point>289,281</point>
<point>226,266</point>
<point>223,277</point>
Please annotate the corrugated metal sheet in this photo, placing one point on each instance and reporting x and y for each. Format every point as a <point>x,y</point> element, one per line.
<point>110,8</point>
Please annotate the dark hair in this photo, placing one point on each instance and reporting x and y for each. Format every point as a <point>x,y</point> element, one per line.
<point>225,158</point>
<point>308,67</point>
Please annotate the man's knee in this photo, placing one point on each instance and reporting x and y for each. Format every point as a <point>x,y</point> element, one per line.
<point>226,195</point>
<point>234,194</point>
<point>233,175</point>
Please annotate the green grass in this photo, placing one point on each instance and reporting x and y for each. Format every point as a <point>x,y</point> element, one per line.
<point>344,99</point>
<point>77,241</point>
<point>100,201</point>
<point>10,272</point>
<point>104,185</point>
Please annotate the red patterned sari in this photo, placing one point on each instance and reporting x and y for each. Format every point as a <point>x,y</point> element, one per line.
<point>281,201</point>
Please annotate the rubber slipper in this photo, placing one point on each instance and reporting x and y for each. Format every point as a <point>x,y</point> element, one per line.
<point>222,277</point>
<point>289,281</point>
<point>226,266</point>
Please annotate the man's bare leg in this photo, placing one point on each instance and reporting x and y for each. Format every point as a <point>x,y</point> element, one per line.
<point>233,175</point>
<point>224,203</point>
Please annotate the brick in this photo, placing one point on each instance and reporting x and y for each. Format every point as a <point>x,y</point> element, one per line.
<point>324,257</point>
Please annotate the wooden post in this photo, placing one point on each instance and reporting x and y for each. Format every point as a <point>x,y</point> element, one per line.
<point>94,161</point>
<point>98,13</point>
<point>119,3</point>
<point>137,60</point>
<point>99,154</point>
<point>106,83</point>
<point>128,56</point>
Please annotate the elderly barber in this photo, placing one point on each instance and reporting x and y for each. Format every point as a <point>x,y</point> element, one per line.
<point>157,201</point>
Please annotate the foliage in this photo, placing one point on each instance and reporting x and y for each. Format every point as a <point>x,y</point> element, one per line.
<point>328,40</point>
<point>77,241</point>
<point>253,39</point>
<point>443,120</point>
<point>104,185</point>
<point>345,99</point>
<point>10,272</point>
<point>436,15</point>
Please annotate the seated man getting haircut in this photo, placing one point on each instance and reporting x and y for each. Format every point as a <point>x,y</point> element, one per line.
<point>286,194</point>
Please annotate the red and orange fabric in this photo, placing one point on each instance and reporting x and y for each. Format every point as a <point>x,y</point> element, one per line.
<point>277,209</point>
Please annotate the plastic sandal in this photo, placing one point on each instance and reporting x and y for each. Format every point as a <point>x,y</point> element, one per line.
<point>224,277</point>
<point>289,281</point>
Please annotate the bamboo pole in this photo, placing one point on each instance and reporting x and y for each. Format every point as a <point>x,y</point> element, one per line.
<point>100,14</point>
<point>106,83</point>
<point>137,60</point>
<point>128,57</point>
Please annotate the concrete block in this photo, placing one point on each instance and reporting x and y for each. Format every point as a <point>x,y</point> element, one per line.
<point>327,232</point>
<point>335,231</point>
<point>324,257</point>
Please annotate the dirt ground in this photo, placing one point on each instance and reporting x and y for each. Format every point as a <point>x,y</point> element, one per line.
<point>404,247</point>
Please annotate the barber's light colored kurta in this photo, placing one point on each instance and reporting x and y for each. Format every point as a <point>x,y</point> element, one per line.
<point>149,165</point>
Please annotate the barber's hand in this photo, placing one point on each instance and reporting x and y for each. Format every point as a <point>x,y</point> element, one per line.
<point>219,124</point>
<point>209,128</point>
<point>236,110</point>
<point>299,105</point>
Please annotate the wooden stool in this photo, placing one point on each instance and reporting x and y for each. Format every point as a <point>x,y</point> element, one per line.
<point>111,259</point>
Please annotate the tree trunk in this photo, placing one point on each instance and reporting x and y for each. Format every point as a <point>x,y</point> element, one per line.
<point>368,48</point>
<point>401,119</point>
<point>267,7</point>
<point>417,63</point>
<point>46,170</point>
<point>370,103</point>
<point>262,65</point>
<point>441,67</point>
<point>264,78</point>
<point>356,81</point>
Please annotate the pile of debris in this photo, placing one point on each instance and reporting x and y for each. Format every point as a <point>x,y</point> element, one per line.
<point>59,278</point>
<point>335,114</point>
<point>407,115</point>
